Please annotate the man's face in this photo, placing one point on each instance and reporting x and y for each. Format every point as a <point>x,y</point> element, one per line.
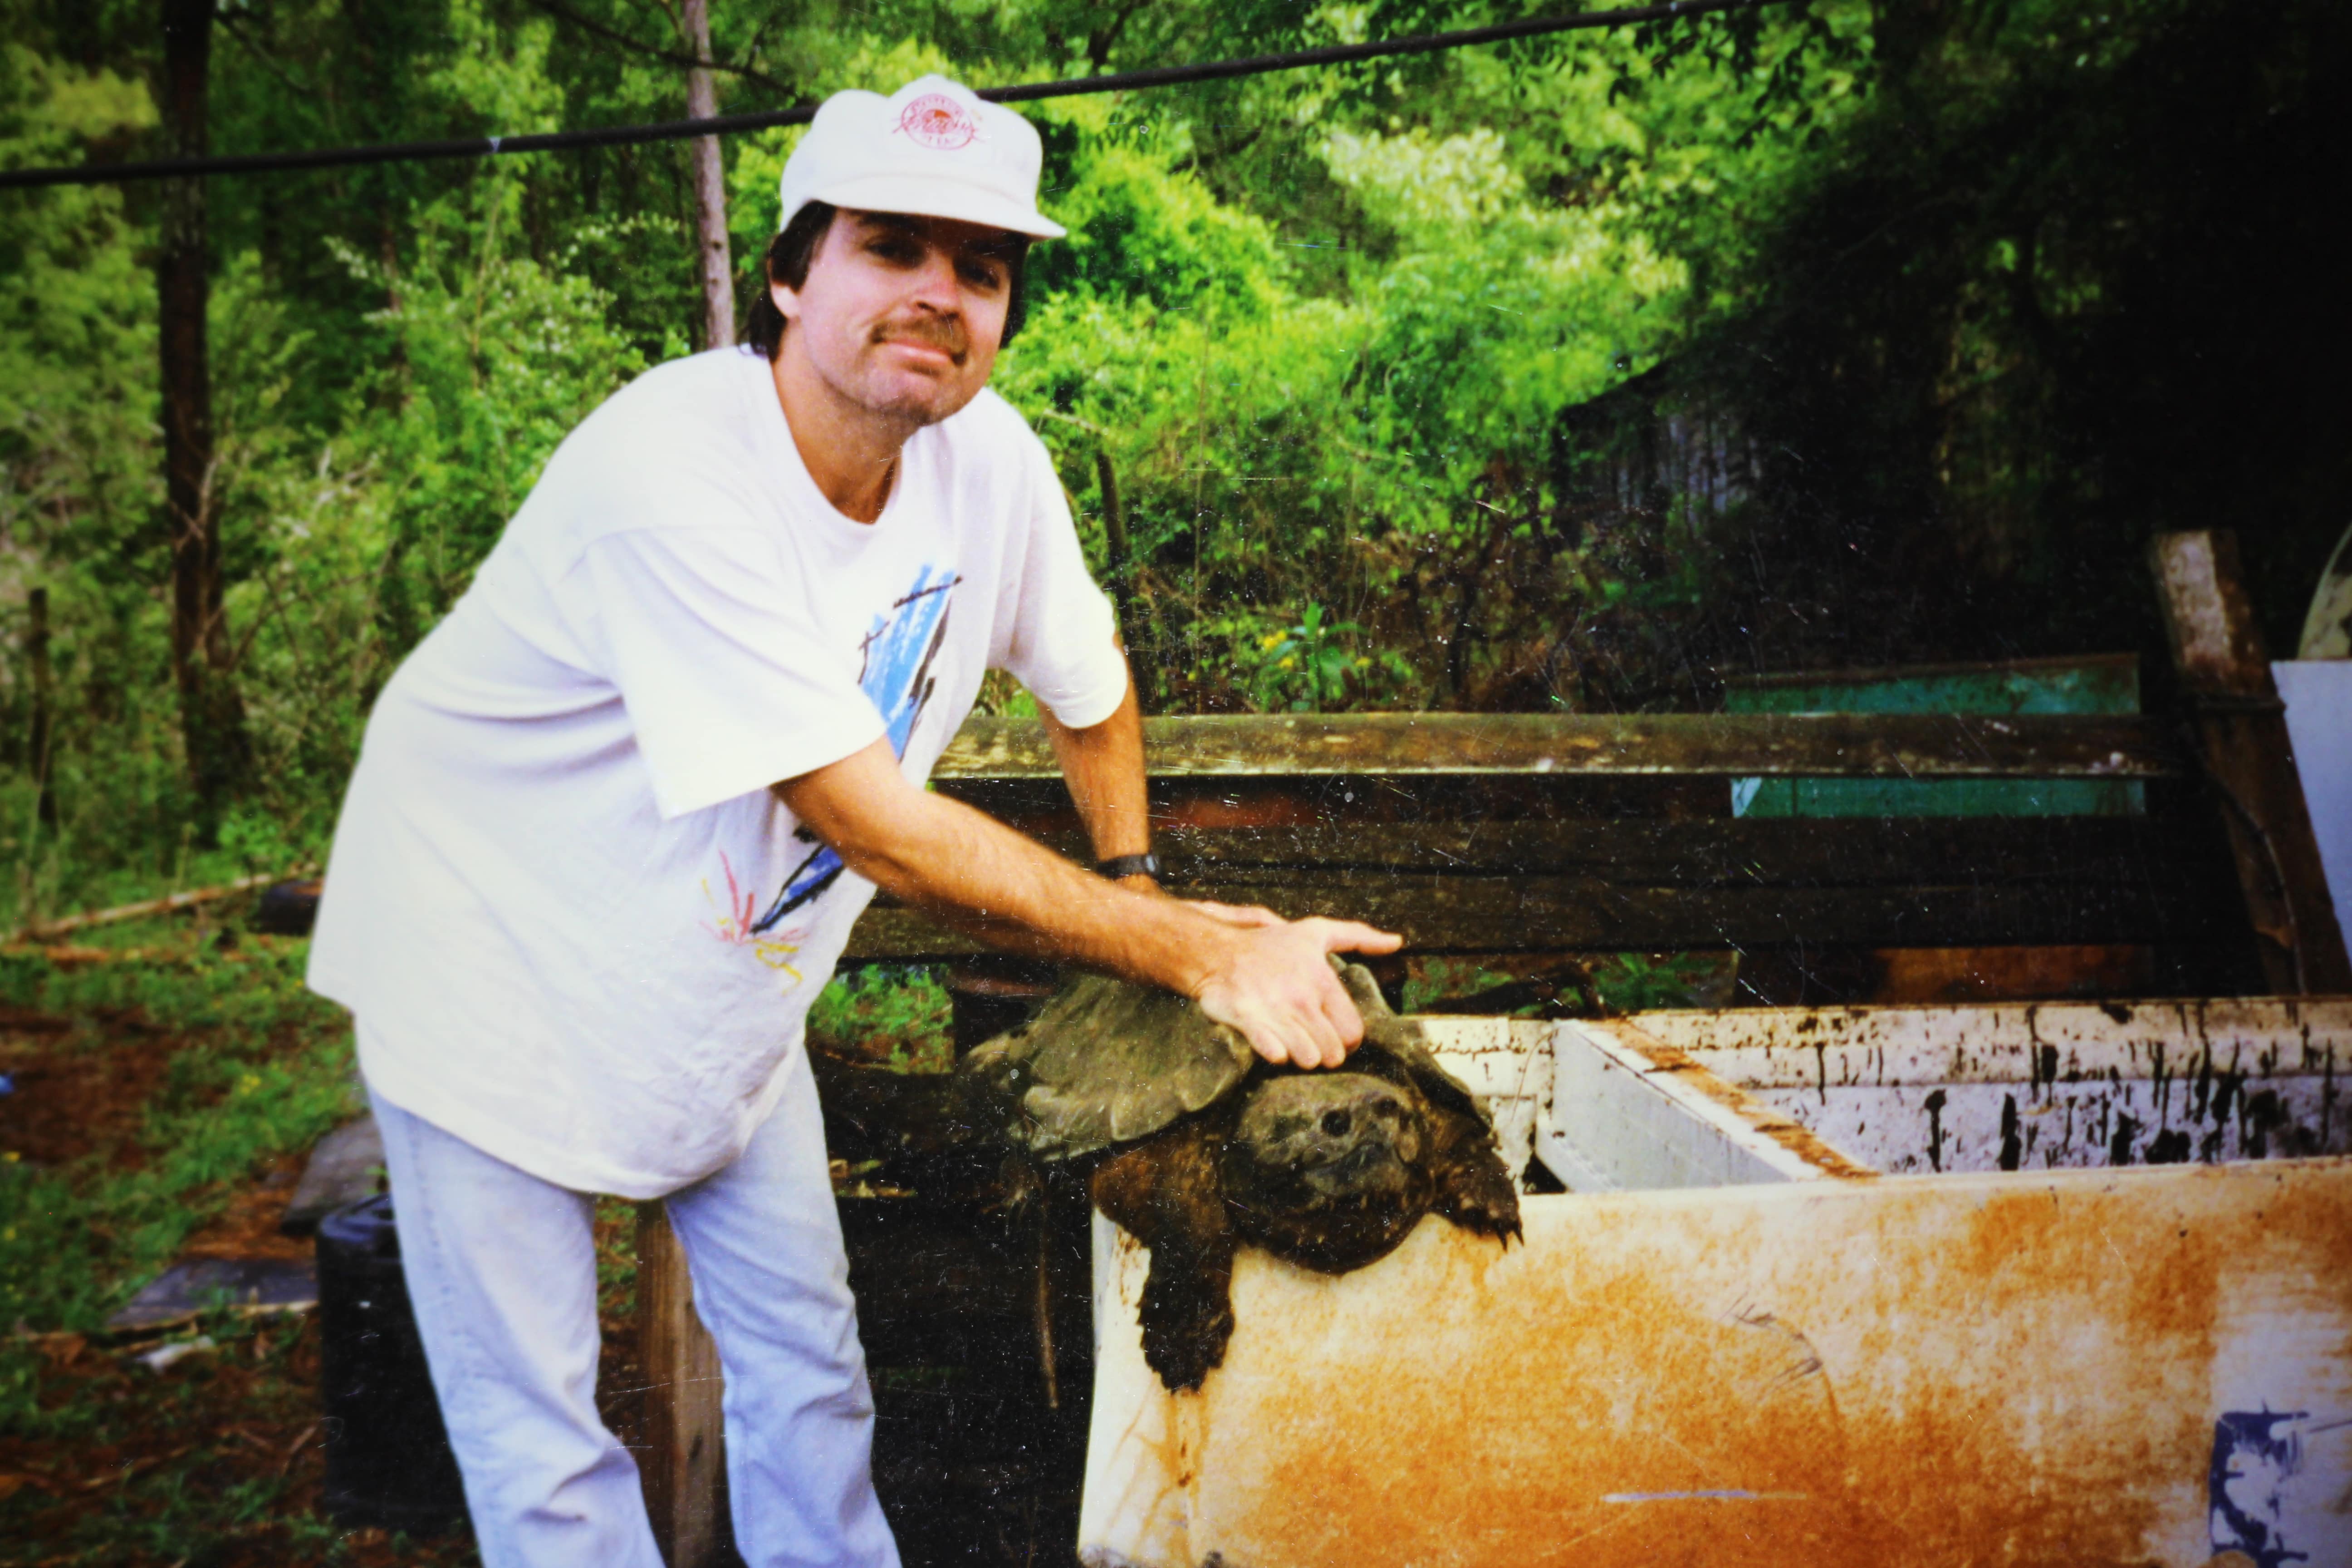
<point>901,316</point>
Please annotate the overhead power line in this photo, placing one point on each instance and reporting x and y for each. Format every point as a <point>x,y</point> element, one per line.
<point>724,124</point>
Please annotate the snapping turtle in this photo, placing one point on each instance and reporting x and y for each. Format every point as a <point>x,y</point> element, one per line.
<point>1200,1145</point>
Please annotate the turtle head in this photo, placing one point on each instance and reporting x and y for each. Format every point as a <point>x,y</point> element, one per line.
<point>1328,1168</point>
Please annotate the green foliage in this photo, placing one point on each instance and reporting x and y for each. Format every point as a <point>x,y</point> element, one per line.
<point>616,1258</point>
<point>901,1016</point>
<point>1145,236</point>
<point>1555,374</point>
<point>1312,667</point>
<point>484,361</point>
<point>1322,402</point>
<point>1611,982</point>
<point>211,1461</point>
<point>1639,981</point>
<point>271,1073</point>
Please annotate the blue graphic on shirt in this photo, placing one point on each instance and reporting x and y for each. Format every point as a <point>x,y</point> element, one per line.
<point>898,652</point>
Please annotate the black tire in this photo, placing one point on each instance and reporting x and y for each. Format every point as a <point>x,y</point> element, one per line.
<point>288,909</point>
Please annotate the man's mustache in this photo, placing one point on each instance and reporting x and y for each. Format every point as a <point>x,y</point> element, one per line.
<point>945,333</point>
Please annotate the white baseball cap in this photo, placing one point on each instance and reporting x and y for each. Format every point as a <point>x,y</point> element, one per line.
<point>931,148</point>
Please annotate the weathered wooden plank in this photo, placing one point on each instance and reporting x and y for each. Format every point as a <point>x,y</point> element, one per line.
<point>684,1459</point>
<point>2096,1124</point>
<point>1505,914</point>
<point>1869,745</point>
<point>2108,669</point>
<point>2217,649</point>
<point>1762,851</point>
<point>1229,800</point>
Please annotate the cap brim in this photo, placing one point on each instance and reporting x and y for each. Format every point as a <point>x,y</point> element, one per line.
<point>938,198</point>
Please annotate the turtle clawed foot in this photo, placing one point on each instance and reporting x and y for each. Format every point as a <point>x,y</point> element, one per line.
<point>1183,1365</point>
<point>1184,1336</point>
<point>1503,1228</point>
<point>1483,1200</point>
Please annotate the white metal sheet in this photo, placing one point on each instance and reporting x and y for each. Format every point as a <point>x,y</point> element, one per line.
<point>1622,1121</point>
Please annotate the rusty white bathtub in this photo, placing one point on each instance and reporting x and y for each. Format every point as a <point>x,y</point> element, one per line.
<point>1855,1286</point>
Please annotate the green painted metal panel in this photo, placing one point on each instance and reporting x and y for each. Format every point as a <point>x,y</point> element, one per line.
<point>2097,684</point>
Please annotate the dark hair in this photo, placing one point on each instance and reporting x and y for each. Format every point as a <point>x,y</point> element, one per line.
<point>787,260</point>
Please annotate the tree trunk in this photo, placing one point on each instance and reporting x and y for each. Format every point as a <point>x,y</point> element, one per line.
<point>1118,561</point>
<point>710,188</point>
<point>211,718</point>
<point>1903,35</point>
<point>41,741</point>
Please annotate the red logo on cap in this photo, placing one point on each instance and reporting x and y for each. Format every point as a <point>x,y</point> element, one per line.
<point>937,121</point>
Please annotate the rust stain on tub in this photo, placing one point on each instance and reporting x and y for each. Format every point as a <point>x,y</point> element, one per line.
<point>1571,1432</point>
<point>1963,1370</point>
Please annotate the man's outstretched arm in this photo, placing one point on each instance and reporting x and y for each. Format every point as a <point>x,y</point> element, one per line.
<point>1103,765</point>
<point>1271,981</point>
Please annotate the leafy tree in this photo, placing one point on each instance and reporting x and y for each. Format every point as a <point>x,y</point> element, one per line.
<point>1570,373</point>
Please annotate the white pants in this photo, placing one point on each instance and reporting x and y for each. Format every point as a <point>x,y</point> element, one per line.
<point>501,1268</point>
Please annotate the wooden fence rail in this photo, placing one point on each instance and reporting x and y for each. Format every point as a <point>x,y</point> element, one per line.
<point>1635,884</point>
<point>1398,745</point>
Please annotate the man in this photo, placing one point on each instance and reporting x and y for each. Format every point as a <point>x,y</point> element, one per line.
<point>614,817</point>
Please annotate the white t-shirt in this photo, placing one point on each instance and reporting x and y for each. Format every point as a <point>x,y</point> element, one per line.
<point>576,926</point>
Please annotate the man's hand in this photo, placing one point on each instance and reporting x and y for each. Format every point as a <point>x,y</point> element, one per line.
<point>1237,914</point>
<point>1275,985</point>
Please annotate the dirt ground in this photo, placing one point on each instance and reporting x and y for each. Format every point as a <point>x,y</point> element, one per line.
<point>68,1102</point>
<point>242,1420</point>
<point>217,1461</point>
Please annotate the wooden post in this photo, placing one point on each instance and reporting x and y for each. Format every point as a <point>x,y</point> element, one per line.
<point>684,1461</point>
<point>1117,559</point>
<point>2216,650</point>
<point>40,741</point>
<point>717,268</point>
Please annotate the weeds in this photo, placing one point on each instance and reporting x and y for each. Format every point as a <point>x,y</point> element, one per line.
<point>217,1461</point>
<point>1617,983</point>
<point>254,1068</point>
<point>896,1016</point>
<point>170,1086</point>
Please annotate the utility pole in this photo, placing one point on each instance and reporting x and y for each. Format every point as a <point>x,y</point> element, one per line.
<point>685,1466</point>
<point>710,186</point>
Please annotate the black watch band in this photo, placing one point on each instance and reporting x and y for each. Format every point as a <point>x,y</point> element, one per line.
<point>1118,866</point>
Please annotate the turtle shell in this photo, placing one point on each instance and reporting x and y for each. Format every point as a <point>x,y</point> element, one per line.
<point>1108,1062</point>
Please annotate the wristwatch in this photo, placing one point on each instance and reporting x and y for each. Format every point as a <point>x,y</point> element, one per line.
<point>1144,865</point>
